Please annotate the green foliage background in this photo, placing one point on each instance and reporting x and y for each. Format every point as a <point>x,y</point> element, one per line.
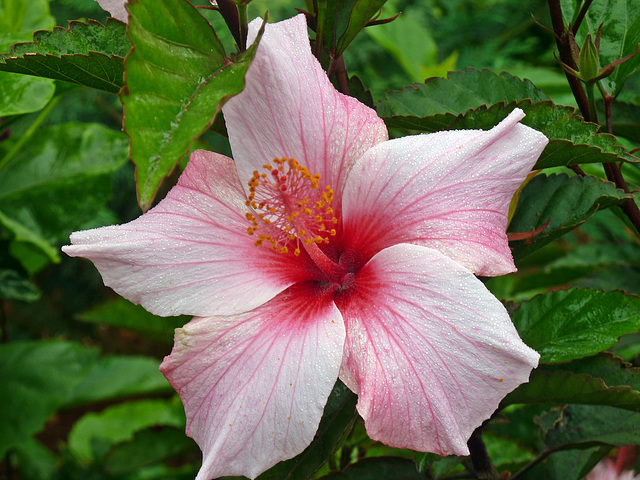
<point>81,394</point>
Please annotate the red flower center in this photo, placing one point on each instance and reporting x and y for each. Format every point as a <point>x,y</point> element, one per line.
<point>291,211</point>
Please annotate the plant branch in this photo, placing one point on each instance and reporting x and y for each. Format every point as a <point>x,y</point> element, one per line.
<point>479,459</point>
<point>562,41</point>
<point>541,457</point>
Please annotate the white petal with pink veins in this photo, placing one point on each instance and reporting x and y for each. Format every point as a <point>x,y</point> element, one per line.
<point>254,385</point>
<point>290,108</point>
<point>429,350</point>
<point>115,8</point>
<point>448,190</point>
<point>191,254</point>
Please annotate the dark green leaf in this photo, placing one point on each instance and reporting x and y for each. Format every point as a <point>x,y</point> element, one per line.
<point>14,281</point>
<point>60,181</point>
<point>574,464</point>
<point>15,286</point>
<point>571,139</point>
<point>576,323</point>
<point>336,423</point>
<point>379,468</point>
<point>117,377</point>
<point>37,378</point>
<point>177,81</point>
<point>341,20</point>
<point>88,54</point>
<point>147,447</point>
<point>565,202</point>
<point>435,104</point>
<point>625,119</point>
<point>121,313</point>
<point>96,433</point>
<point>587,425</point>
<point>599,380</point>
<point>481,99</point>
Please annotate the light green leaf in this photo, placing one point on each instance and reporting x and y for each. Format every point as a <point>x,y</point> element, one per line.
<point>58,182</point>
<point>20,18</point>
<point>95,433</point>
<point>117,377</point>
<point>37,378</point>
<point>565,202</point>
<point>576,323</point>
<point>177,81</point>
<point>620,37</point>
<point>121,313</point>
<point>20,94</point>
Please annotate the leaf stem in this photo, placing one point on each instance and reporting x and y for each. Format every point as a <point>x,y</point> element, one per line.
<point>243,21</point>
<point>592,102</point>
<point>29,133</point>
<point>562,41</point>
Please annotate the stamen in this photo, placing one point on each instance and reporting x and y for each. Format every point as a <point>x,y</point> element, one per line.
<point>290,208</point>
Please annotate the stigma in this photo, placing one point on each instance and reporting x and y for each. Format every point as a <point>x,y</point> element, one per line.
<point>290,209</point>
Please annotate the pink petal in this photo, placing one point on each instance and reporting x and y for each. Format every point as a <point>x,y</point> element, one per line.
<point>115,8</point>
<point>254,386</point>
<point>191,254</point>
<point>289,108</point>
<point>429,351</point>
<point>449,191</point>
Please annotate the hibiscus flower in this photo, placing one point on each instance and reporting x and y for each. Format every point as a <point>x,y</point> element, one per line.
<point>326,251</point>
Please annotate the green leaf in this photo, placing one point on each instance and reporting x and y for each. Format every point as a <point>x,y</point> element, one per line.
<point>15,286</point>
<point>20,18</point>
<point>177,81</point>
<point>620,36</point>
<point>575,464</point>
<point>147,447</point>
<point>121,313</point>
<point>408,40</point>
<point>117,377</point>
<point>60,181</point>
<point>35,461</point>
<point>586,425</point>
<point>576,323</point>
<point>571,139</point>
<point>378,468</point>
<point>599,380</point>
<point>337,420</point>
<point>565,202</point>
<point>95,434</point>
<point>14,281</point>
<point>37,378</point>
<point>340,21</point>
<point>89,54</point>
<point>481,99</point>
<point>20,94</point>
<point>435,104</point>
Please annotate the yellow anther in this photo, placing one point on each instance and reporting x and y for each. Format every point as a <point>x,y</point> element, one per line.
<point>287,206</point>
